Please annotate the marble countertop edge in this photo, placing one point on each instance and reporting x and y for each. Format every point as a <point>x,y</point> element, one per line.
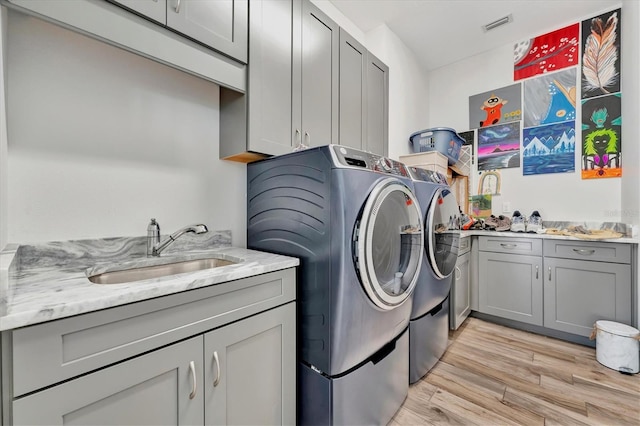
<point>509,234</point>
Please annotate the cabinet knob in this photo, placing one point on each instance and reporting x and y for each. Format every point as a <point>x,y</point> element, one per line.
<point>509,246</point>
<point>537,270</point>
<point>194,380</point>
<point>584,252</point>
<point>458,273</point>
<point>549,273</point>
<point>178,6</point>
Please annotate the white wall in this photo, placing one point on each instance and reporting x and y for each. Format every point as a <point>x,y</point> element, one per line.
<point>561,196</point>
<point>101,140</point>
<point>3,132</point>
<point>408,108</point>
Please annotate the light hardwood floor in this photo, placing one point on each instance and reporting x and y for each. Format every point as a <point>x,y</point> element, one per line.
<point>495,375</point>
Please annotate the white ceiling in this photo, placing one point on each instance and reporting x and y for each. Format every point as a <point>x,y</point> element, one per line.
<point>441,32</point>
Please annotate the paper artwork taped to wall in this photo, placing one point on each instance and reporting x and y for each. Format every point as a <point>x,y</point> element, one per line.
<point>546,53</point>
<point>490,182</point>
<point>480,205</point>
<point>602,137</point>
<point>499,146</point>
<point>550,98</point>
<point>497,106</point>
<point>601,55</point>
<point>549,149</point>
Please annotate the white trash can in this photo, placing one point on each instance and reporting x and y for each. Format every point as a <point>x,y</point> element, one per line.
<point>617,346</point>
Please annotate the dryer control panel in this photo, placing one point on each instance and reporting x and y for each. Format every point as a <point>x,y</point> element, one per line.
<point>353,158</point>
<point>424,175</point>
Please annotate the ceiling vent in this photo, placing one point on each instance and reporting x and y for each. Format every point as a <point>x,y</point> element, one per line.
<point>497,23</point>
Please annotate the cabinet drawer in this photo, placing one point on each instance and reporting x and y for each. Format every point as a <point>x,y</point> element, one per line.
<point>531,246</point>
<point>464,245</point>
<point>592,250</point>
<point>49,353</point>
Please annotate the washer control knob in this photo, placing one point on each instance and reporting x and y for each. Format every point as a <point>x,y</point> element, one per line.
<point>385,164</point>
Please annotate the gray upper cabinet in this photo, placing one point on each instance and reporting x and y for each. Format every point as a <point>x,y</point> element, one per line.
<point>364,98</point>
<point>152,9</point>
<point>315,79</point>
<point>377,140</point>
<point>353,92</point>
<point>221,24</point>
<point>293,83</point>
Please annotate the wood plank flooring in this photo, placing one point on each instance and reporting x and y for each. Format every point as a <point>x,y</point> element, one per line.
<point>495,375</point>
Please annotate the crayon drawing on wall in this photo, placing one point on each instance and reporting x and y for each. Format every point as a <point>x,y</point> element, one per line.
<point>497,106</point>
<point>499,146</point>
<point>600,57</point>
<point>480,205</point>
<point>602,137</point>
<point>546,53</point>
<point>550,98</point>
<point>549,149</point>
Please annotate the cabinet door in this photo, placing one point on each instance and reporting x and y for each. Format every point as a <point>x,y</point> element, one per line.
<point>156,389</point>
<point>250,370</point>
<point>460,292</point>
<point>153,9</point>
<point>577,293</point>
<point>377,134</point>
<point>315,88</point>
<point>510,286</point>
<point>270,77</point>
<point>220,24</point>
<point>353,106</point>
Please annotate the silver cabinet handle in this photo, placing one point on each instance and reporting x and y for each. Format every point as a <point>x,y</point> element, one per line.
<point>217,361</point>
<point>584,252</point>
<point>307,136</point>
<point>458,273</point>
<point>298,137</point>
<point>194,380</point>
<point>178,6</point>
<point>508,246</point>
<point>549,273</point>
<point>537,267</point>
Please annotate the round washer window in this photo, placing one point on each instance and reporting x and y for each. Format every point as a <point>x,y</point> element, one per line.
<point>443,232</point>
<point>389,244</point>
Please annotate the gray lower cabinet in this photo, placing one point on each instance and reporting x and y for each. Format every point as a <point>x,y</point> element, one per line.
<point>510,278</point>
<point>584,283</point>
<point>511,286</point>
<point>223,354</point>
<point>152,389</point>
<point>460,306</point>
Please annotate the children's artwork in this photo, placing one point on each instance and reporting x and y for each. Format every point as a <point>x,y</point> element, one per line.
<point>499,146</point>
<point>480,205</point>
<point>601,137</point>
<point>469,138</point>
<point>546,53</point>
<point>601,55</point>
<point>490,182</point>
<point>497,106</point>
<point>550,98</point>
<point>549,149</point>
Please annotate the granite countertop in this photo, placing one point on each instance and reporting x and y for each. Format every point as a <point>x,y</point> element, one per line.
<point>48,281</point>
<point>509,234</point>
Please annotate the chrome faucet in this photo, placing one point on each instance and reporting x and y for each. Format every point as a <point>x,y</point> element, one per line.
<point>155,247</point>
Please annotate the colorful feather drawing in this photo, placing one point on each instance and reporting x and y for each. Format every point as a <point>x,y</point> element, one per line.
<point>600,55</point>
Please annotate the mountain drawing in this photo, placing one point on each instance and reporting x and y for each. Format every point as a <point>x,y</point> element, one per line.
<point>550,145</point>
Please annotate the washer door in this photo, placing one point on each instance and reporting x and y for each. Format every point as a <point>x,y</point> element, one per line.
<point>443,227</point>
<point>389,244</point>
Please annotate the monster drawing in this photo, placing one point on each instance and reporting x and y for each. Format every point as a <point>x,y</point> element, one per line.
<point>601,150</point>
<point>493,108</point>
